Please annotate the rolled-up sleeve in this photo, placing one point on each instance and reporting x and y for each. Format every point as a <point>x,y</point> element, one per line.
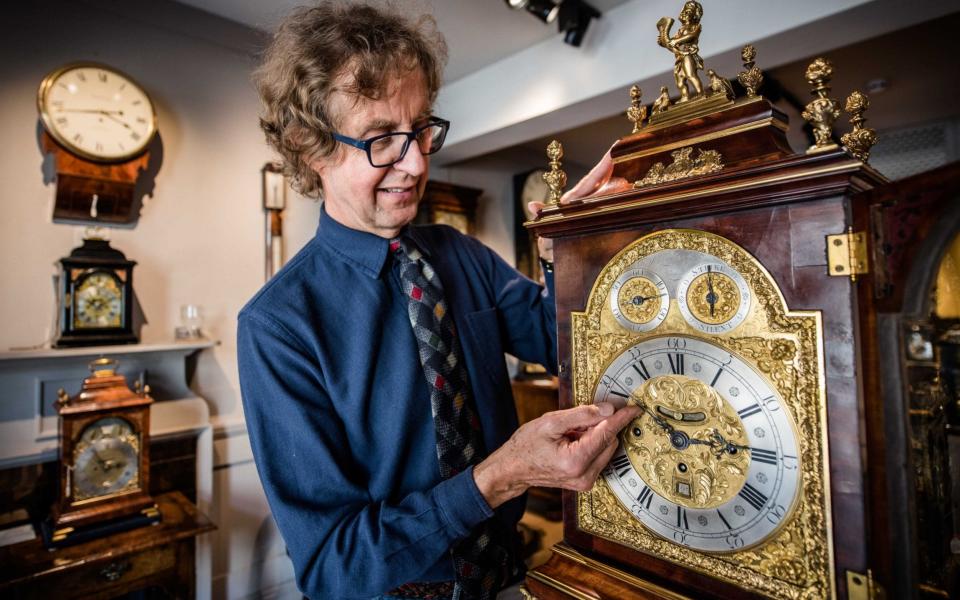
<point>343,543</point>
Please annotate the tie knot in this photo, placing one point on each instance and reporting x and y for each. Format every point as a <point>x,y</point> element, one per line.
<point>403,247</point>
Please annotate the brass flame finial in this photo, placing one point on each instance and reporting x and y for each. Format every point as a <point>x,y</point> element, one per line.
<point>637,113</point>
<point>555,178</point>
<point>822,111</point>
<point>752,77</point>
<point>859,141</point>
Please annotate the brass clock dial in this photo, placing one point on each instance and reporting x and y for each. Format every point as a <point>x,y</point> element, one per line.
<point>639,300</point>
<point>97,112</point>
<point>106,459</point>
<point>713,297</point>
<point>712,462</point>
<point>98,302</point>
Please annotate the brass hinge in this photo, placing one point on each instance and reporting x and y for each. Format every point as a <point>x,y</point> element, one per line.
<point>847,254</point>
<point>863,587</point>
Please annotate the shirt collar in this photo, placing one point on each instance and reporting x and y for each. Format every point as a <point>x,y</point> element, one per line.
<point>366,250</point>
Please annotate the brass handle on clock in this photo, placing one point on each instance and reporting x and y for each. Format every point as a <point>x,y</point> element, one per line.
<point>115,570</point>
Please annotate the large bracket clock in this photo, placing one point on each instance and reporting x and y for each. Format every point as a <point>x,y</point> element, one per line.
<point>768,311</point>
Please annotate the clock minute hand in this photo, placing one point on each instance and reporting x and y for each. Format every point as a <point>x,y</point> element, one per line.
<point>656,418</point>
<point>109,116</point>
<point>92,110</point>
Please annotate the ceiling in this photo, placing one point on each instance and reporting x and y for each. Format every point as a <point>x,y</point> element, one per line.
<point>918,63</point>
<point>478,32</point>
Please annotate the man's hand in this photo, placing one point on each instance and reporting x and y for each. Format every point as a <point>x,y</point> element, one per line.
<point>563,448</point>
<point>598,176</point>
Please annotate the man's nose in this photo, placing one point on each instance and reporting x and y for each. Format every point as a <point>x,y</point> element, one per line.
<point>413,163</point>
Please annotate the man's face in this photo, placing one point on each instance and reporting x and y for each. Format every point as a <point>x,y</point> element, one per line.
<point>377,200</point>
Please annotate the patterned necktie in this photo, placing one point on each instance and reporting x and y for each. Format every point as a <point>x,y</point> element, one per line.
<point>481,560</point>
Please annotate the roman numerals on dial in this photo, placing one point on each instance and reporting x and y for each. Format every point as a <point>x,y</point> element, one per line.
<point>770,488</point>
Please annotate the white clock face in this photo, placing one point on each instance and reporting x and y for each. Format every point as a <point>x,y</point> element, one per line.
<point>733,478</point>
<point>97,112</point>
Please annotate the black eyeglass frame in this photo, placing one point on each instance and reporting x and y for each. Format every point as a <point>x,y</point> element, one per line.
<point>411,135</point>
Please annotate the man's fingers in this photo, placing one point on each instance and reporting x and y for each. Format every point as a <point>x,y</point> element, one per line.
<point>599,437</point>
<point>592,181</point>
<point>580,417</point>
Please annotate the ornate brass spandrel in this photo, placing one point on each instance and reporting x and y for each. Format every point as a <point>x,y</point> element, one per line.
<point>637,113</point>
<point>684,165</point>
<point>555,178</point>
<point>787,347</point>
<point>751,77</point>
<point>822,111</point>
<point>684,45</point>
<point>859,141</point>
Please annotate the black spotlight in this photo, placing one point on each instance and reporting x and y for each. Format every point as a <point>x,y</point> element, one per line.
<point>545,10</point>
<point>575,17</point>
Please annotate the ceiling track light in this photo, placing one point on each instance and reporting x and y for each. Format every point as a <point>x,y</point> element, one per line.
<point>572,16</point>
<point>575,17</point>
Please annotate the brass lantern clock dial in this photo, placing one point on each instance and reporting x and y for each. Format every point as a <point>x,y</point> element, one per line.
<point>725,470</point>
<point>639,300</point>
<point>713,297</point>
<point>98,301</point>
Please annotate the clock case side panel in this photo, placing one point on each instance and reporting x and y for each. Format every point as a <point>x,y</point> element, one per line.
<point>67,513</point>
<point>789,241</point>
<point>910,224</point>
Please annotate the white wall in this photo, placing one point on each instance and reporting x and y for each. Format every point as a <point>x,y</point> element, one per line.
<point>200,236</point>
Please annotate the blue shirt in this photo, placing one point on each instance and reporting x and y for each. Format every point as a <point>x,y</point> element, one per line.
<point>338,409</point>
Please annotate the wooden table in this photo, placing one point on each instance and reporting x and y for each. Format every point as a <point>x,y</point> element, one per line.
<point>160,555</point>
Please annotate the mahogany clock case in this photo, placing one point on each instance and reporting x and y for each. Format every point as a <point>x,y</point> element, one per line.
<point>783,222</point>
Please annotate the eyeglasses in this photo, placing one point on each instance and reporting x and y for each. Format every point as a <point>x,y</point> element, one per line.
<point>390,148</point>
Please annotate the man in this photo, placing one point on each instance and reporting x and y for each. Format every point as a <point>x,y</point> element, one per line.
<point>374,386</point>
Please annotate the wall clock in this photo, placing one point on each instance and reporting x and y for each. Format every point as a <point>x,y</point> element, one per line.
<point>98,122</point>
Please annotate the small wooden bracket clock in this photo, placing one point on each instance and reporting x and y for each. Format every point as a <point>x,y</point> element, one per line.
<point>96,296</point>
<point>104,459</point>
<point>703,284</point>
<point>98,123</point>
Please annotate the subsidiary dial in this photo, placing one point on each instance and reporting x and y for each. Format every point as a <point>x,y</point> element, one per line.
<point>713,297</point>
<point>639,300</point>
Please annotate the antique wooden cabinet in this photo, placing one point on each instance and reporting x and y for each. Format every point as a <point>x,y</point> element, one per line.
<point>773,314</point>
